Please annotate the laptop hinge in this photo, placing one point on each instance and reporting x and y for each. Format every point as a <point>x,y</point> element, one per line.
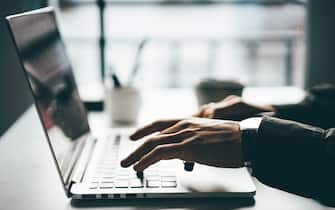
<point>68,189</point>
<point>73,158</point>
<point>83,161</point>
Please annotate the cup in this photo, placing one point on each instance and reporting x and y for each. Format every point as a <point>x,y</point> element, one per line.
<point>214,90</point>
<point>123,104</point>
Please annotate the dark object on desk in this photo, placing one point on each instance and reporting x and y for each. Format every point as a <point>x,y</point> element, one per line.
<point>188,166</point>
<point>214,90</point>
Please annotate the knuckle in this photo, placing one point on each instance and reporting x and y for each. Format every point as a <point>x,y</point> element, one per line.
<point>203,107</point>
<point>160,149</point>
<point>232,96</point>
<point>183,123</point>
<point>150,142</point>
<point>238,99</point>
<point>187,132</point>
<point>210,109</point>
<point>183,145</point>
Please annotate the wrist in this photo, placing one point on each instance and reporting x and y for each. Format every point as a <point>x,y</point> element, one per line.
<point>269,108</point>
<point>249,129</point>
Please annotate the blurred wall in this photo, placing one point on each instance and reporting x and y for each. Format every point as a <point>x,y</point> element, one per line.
<point>320,58</point>
<point>14,94</point>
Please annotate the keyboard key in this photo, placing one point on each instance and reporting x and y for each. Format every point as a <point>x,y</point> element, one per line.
<point>93,185</point>
<point>151,173</point>
<point>109,161</point>
<point>107,182</point>
<point>121,183</point>
<point>132,175</point>
<point>108,176</point>
<point>105,166</point>
<point>105,185</point>
<point>99,170</point>
<point>169,178</point>
<point>94,179</point>
<point>108,173</point>
<point>108,169</point>
<point>122,176</point>
<point>166,173</point>
<point>169,184</point>
<point>151,178</point>
<point>97,174</point>
<point>107,179</point>
<point>153,184</point>
<point>136,183</point>
<point>122,173</point>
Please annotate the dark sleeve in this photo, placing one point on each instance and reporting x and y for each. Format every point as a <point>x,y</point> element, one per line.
<point>294,157</point>
<point>318,108</point>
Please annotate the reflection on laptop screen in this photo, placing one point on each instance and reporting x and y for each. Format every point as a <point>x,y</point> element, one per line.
<point>42,54</point>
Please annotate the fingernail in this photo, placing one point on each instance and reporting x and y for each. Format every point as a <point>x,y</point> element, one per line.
<point>132,137</point>
<point>124,163</point>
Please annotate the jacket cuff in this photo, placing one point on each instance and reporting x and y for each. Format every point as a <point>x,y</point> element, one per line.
<point>249,129</point>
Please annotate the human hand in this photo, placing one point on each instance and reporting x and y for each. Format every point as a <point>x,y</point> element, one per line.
<point>232,108</point>
<point>206,141</point>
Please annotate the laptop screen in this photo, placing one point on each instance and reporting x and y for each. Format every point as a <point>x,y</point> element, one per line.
<point>48,70</point>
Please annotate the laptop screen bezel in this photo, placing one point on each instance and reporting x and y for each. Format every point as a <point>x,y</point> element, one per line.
<point>47,11</point>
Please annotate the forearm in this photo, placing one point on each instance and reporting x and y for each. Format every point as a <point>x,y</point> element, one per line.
<point>294,157</point>
<point>316,109</point>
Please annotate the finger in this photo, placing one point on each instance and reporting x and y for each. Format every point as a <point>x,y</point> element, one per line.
<point>228,107</point>
<point>163,152</point>
<point>152,128</point>
<point>151,143</point>
<point>230,97</point>
<point>209,113</point>
<point>178,127</point>
<point>201,111</point>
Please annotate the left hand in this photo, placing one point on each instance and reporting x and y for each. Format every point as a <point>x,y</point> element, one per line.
<point>206,141</point>
<point>232,108</point>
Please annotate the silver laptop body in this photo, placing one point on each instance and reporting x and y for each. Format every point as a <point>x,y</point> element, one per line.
<point>88,166</point>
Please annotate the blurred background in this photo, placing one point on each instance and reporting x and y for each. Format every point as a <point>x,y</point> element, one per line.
<point>257,42</point>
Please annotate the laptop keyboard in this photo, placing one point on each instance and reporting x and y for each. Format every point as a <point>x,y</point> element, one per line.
<point>108,174</point>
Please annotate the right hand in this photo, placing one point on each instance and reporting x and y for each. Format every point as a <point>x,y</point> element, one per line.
<point>206,141</point>
<point>232,108</point>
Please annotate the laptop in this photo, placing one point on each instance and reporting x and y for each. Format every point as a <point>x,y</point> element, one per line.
<point>89,167</point>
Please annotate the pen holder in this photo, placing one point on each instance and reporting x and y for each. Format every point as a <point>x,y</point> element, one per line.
<point>213,90</point>
<point>123,104</point>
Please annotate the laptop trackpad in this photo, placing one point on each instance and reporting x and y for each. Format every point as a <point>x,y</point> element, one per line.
<point>213,179</point>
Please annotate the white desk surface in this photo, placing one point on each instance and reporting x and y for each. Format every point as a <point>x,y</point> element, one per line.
<point>28,178</point>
